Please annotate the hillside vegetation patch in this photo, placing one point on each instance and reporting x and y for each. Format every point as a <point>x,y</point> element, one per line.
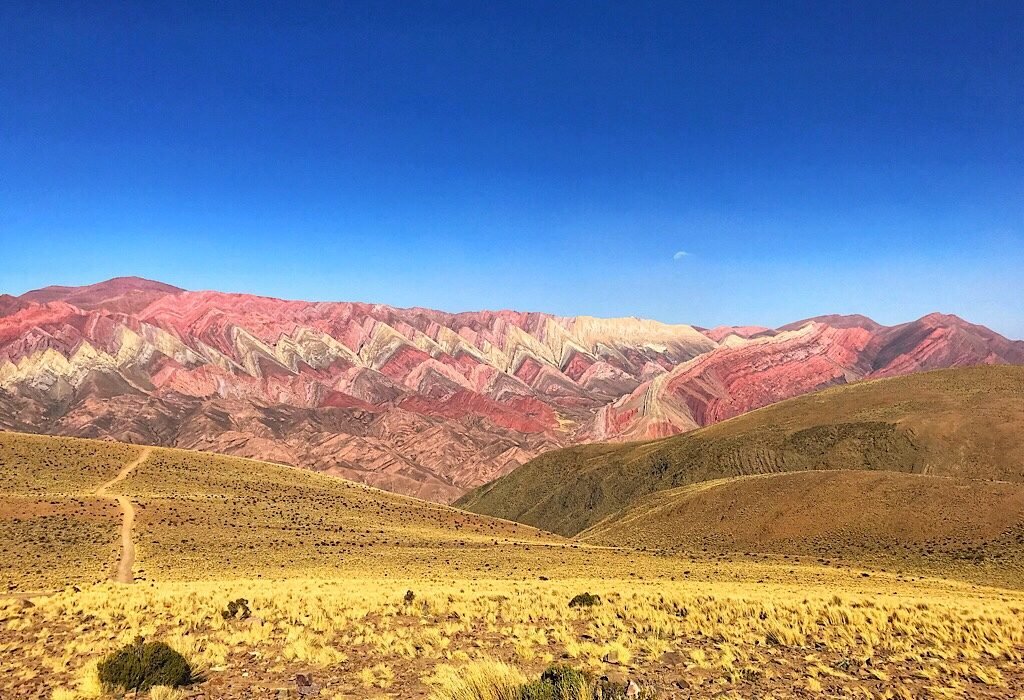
<point>143,665</point>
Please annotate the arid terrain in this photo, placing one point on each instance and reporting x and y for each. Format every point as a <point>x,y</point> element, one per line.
<point>866,540</point>
<point>376,595</point>
<point>475,350</point>
<point>416,401</point>
<point>962,423</point>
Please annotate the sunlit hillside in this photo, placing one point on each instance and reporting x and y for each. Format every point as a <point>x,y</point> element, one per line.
<point>267,577</point>
<point>962,423</point>
<point>968,529</point>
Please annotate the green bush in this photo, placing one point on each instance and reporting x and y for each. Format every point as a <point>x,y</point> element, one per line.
<point>558,683</point>
<point>607,690</point>
<point>566,683</point>
<point>537,690</point>
<point>409,597</point>
<point>493,680</point>
<point>237,608</point>
<point>143,665</point>
<point>585,600</point>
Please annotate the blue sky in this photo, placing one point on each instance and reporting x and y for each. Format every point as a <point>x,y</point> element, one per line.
<point>809,158</point>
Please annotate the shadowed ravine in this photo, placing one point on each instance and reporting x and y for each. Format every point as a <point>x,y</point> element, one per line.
<point>127,559</point>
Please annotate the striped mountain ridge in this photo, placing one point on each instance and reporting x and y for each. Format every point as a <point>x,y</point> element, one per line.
<point>415,400</point>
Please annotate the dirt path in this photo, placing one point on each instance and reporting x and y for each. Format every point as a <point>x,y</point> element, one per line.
<point>124,565</point>
<point>26,595</point>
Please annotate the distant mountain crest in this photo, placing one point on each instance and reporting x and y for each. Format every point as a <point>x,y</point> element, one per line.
<point>419,401</point>
<point>127,294</point>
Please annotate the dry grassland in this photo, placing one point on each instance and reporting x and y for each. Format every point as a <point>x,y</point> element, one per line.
<point>940,526</point>
<point>325,566</point>
<point>360,639</point>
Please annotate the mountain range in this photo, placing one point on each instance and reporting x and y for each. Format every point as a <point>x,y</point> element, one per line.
<point>417,401</point>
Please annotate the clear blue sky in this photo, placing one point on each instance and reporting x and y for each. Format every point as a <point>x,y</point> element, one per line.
<point>808,157</point>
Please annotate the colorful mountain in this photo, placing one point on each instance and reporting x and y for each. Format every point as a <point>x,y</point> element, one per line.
<point>417,401</point>
<point>959,423</point>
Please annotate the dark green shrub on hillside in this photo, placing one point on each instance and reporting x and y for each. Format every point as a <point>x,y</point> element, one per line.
<point>535,691</point>
<point>585,600</point>
<point>607,690</point>
<point>558,683</point>
<point>409,597</point>
<point>237,609</point>
<point>566,683</point>
<point>143,665</point>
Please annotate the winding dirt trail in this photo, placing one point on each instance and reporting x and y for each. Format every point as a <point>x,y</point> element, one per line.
<point>124,565</point>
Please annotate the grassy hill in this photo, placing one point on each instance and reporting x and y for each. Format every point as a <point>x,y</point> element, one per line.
<point>961,423</point>
<point>376,595</point>
<point>943,525</point>
<point>205,516</point>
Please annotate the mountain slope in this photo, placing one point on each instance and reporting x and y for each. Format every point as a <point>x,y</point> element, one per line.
<point>750,371</point>
<point>421,402</point>
<point>964,423</point>
<point>914,521</point>
<point>121,294</point>
<point>198,515</point>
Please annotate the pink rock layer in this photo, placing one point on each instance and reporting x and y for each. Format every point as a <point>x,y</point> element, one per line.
<point>417,401</point>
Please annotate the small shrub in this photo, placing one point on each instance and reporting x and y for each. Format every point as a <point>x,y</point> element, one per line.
<point>237,609</point>
<point>409,597</point>
<point>538,690</point>
<point>144,665</point>
<point>585,600</point>
<point>607,690</point>
<point>567,683</point>
<point>496,681</point>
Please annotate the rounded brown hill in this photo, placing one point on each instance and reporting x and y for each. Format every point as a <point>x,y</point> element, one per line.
<point>910,519</point>
<point>198,515</point>
<point>962,422</point>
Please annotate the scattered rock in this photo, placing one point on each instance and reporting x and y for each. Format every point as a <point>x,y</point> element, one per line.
<point>615,677</point>
<point>305,685</point>
<point>672,658</point>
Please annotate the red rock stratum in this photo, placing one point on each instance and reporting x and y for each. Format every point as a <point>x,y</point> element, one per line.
<point>417,401</point>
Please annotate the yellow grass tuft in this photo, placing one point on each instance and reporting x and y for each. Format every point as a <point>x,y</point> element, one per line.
<point>480,680</point>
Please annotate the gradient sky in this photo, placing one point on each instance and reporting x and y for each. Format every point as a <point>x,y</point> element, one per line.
<point>808,158</point>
